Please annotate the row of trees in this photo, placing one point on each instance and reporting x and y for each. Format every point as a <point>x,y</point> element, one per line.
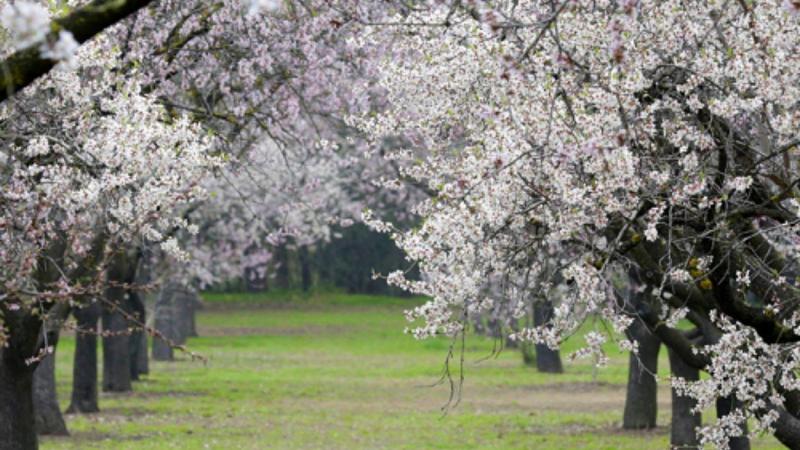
<point>354,260</point>
<point>143,148</point>
<point>562,151</point>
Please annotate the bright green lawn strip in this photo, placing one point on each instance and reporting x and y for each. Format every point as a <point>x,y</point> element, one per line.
<point>347,377</point>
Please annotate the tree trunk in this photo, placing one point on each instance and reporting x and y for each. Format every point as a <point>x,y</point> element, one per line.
<point>116,347</point>
<point>84,369</point>
<point>282,273</point>
<point>143,363</point>
<point>135,341</point>
<point>787,429</point>
<point>195,305</point>
<point>641,407</point>
<point>683,434</point>
<point>305,269</point>
<point>17,429</point>
<point>116,326</point>
<point>493,327</point>
<point>165,322</point>
<point>547,359</point>
<point>47,412</point>
<point>724,407</point>
<point>185,301</point>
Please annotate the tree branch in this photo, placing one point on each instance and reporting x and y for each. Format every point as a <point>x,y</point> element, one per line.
<point>25,66</point>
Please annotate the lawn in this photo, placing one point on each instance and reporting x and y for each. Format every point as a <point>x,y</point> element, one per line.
<point>335,371</point>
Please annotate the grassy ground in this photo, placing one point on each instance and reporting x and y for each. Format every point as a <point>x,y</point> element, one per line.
<point>336,372</point>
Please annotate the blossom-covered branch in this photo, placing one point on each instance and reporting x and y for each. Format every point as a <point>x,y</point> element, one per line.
<point>24,66</point>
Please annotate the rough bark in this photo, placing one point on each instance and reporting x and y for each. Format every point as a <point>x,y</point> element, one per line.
<point>683,434</point>
<point>48,418</point>
<point>47,412</point>
<point>26,339</point>
<point>641,407</point>
<point>186,301</point>
<point>787,429</point>
<point>547,359</point>
<point>16,402</point>
<point>116,347</point>
<point>143,362</point>
<point>17,429</point>
<point>165,324</point>
<point>116,325</point>
<point>724,407</point>
<point>135,342</point>
<point>84,368</point>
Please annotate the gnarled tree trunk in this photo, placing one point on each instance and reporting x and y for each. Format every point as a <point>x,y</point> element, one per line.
<point>683,434</point>
<point>186,302</point>
<point>116,325</point>
<point>17,429</point>
<point>47,412</point>
<point>116,346</point>
<point>84,369</point>
<point>142,355</point>
<point>138,361</point>
<point>165,323</point>
<point>641,406</point>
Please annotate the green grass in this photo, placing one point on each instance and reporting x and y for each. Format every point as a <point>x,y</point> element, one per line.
<point>335,371</point>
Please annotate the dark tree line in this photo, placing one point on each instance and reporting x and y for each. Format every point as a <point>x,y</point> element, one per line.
<point>348,262</point>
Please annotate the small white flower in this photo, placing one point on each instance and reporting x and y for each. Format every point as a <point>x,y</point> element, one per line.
<point>743,278</point>
<point>172,248</point>
<point>680,276</point>
<point>63,50</point>
<point>27,22</point>
<point>677,316</point>
<point>739,184</point>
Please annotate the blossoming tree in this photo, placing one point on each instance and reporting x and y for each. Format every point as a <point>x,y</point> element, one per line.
<point>651,138</point>
<point>122,131</point>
